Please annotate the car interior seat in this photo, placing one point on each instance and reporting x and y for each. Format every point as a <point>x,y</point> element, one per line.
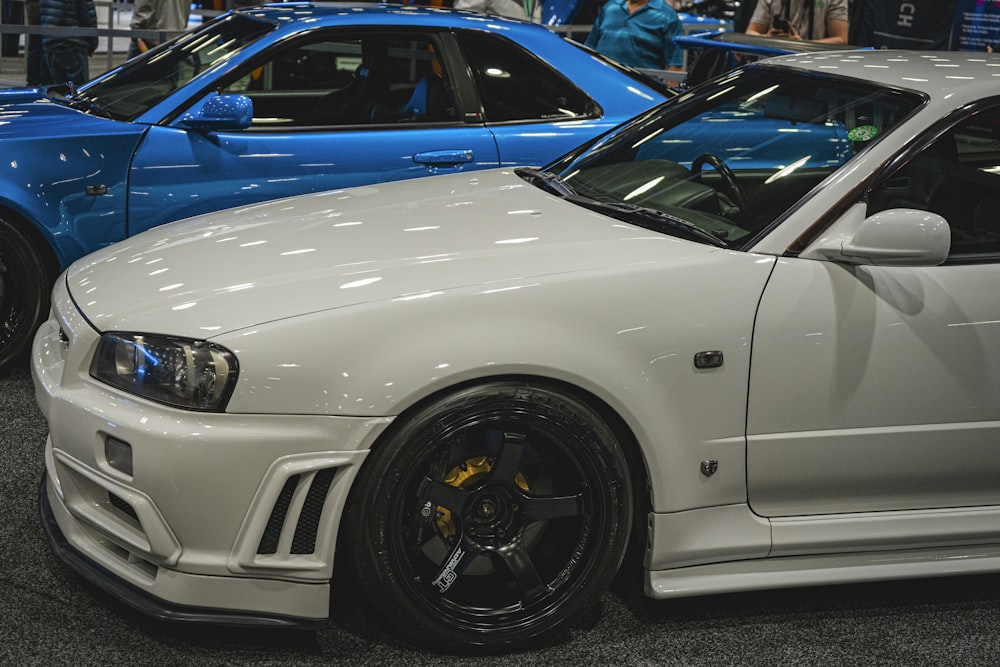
<point>354,103</point>
<point>427,103</point>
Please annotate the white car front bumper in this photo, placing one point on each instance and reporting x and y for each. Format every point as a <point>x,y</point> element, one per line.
<point>223,517</point>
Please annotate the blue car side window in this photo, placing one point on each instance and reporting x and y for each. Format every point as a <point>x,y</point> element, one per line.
<point>517,86</point>
<point>383,77</point>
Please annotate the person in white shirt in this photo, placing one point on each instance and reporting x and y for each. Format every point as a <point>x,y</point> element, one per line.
<point>512,8</point>
<point>168,15</point>
<point>813,20</point>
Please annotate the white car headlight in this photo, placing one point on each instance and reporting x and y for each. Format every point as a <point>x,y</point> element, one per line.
<point>184,373</point>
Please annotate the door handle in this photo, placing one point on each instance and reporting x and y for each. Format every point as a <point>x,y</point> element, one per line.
<point>458,156</point>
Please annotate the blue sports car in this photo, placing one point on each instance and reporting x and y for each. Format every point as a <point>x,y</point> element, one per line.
<point>281,100</point>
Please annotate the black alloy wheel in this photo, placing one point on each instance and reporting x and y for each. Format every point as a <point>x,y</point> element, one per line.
<point>493,519</point>
<point>24,293</point>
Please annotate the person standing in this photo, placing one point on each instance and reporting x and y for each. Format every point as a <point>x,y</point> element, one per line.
<point>13,14</point>
<point>67,56</point>
<point>638,33</point>
<point>166,15</point>
<point>512,8</point>
<point>823,21</point>
<point>35,70</point>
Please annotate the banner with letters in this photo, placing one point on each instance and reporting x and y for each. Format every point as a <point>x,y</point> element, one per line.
<point>976,26</point>
<point>908,24</point>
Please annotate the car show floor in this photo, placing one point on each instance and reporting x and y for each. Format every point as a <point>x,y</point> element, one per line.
<point>51,617</point>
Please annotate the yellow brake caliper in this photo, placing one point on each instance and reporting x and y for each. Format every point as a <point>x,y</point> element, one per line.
<point>461,476</point>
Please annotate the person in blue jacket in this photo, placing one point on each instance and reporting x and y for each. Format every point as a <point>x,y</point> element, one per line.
<point>67,56</point>
<point>638,33</point>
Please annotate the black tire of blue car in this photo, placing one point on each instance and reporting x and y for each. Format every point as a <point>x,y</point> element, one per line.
<point>491,519</point>
<point>25,281</point>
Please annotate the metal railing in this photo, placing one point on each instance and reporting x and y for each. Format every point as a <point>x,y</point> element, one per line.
<point>108,12</point>
<point>107,28</point>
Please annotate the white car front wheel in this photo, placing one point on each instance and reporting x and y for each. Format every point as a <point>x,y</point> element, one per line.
<point>492,518</point>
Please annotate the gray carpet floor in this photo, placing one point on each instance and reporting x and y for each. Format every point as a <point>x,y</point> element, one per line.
<point>49,617</point>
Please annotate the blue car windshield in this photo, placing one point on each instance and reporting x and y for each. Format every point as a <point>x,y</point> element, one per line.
<point>726,160</point>
<point>129,91</point>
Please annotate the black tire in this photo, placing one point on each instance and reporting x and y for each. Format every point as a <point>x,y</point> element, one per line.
<point>25,282</point>
<point>492,519</point>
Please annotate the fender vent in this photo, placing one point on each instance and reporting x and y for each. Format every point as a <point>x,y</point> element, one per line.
<point>272,533</point>
<point>288,514</point>
<point>304,541</point>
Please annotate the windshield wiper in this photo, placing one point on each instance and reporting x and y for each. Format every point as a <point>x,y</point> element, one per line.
<point>86,104</point>
<point>547,180</point>
<point>649,218</point>
<point>632,213</point>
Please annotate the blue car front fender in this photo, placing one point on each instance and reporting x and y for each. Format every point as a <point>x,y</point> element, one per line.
<point>71,189</point>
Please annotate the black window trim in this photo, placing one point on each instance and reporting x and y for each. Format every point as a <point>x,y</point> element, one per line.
<point>596,113</point>
<point>455,65</point>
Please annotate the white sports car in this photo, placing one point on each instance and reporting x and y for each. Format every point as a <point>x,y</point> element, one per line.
<point>754,335</point>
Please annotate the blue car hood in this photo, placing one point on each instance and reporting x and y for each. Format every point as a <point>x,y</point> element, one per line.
<point>29,112</point>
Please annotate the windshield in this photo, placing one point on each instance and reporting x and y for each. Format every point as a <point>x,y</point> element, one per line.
<point>729,158</point>
<point>144,81</point>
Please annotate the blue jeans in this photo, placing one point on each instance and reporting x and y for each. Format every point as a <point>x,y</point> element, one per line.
<point>68,62</point>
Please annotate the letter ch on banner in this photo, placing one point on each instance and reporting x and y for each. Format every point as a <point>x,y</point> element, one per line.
<point>906,12</point>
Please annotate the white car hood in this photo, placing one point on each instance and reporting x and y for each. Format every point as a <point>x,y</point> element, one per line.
<point>241,267</point>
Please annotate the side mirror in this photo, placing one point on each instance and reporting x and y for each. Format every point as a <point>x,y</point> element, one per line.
<point>896,237</point>
<point>220,112</point>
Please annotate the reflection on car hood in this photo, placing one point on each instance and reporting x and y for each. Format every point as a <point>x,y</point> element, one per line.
<point>27,112</point>
<point>240,267</point>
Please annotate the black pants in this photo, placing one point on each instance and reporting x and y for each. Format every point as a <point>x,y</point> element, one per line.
<point>13,14</point>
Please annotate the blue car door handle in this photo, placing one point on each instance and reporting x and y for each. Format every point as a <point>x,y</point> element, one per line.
<point>445,157</point>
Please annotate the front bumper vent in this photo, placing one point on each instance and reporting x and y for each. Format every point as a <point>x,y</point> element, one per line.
<point>123,507</point>
<point>304,519</point>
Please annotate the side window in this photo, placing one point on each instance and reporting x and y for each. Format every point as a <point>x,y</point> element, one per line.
<point>350,79</point>
<point>515,85</point>
<point>957,177</point>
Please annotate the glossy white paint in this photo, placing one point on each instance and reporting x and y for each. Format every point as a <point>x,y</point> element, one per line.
<point>392,341</point>
<point>244,594</point>
<point>730,549</point>
<point>892,373</point>
<point>400,320</point>
<point>380,243</point>
<point>792,572</point>
<point>897,237</point>
<point>213,457</point>
<point>858,444</point>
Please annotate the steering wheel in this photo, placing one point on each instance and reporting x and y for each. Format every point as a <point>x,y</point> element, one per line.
<point>728,177</point>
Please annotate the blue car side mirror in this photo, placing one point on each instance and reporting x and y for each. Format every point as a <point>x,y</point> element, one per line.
<point>220,112</point>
